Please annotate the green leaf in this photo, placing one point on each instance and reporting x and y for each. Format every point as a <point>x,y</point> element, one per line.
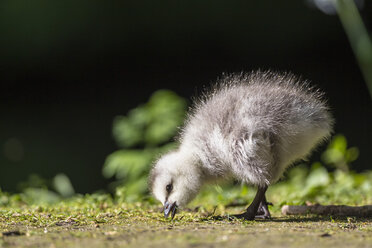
<point>63,186</point>
<point>167,112</point>
<point>127,163</point>
<point>339,143</point>
<point>318,176</point>
<point>351,154</point>
<point>126,132</point>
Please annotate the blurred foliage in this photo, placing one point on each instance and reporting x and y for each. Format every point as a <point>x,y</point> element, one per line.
<point>36,190</point>
<point>338,155</point>
<point>63,186</point>
<point>151,124</point>
<point>144,133</point>
<point>318,185</point>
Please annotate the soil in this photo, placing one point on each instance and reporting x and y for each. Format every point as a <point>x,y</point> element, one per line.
<point>137,226</point>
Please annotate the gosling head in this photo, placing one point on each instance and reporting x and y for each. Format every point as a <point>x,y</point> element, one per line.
<point>175,181</point>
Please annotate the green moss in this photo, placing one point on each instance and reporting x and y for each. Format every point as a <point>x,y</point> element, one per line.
<point>87,221</point>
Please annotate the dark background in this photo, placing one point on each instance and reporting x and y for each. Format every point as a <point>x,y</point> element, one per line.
<point>67,68</point>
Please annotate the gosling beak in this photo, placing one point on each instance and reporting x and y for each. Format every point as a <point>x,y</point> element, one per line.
<point>170,208</point>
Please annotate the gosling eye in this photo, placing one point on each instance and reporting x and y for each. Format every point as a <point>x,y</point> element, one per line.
<point>169,188</point>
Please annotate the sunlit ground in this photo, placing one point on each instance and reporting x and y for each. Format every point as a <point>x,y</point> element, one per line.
<point>96,222</point>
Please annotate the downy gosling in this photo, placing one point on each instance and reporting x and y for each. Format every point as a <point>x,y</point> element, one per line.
<point>249,127</point>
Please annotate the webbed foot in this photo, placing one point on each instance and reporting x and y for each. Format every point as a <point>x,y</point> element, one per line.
<point>263,210</point>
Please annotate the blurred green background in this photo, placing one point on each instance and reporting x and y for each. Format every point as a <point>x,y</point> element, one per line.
<point>69,68</point>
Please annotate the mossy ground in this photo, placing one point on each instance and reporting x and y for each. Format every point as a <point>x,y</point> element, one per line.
<point>102,224</point>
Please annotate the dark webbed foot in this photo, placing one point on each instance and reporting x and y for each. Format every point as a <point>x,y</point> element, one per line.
<point>263,216</point>
<point>243,216</point>
<point>263,210</point>
<point>262,213</point>
<point>258,207</point>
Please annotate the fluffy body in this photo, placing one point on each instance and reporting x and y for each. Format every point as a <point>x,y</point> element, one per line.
<point>250,128</point>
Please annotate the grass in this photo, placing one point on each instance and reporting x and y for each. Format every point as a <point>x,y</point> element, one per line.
<point>97,221</point>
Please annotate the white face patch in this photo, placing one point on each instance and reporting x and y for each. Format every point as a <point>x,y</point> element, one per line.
<point>173,169</point>
<point>160,184</point>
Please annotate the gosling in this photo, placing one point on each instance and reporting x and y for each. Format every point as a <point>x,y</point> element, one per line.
<point>249,127</point>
